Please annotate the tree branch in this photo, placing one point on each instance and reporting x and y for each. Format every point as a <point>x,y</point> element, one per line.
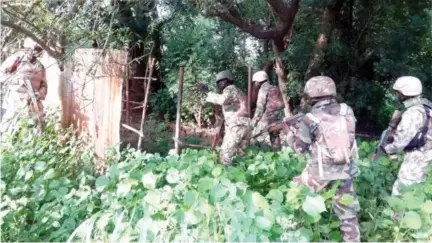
<point>28,33</point>
<point>247,26</point>
<point>279,8</point>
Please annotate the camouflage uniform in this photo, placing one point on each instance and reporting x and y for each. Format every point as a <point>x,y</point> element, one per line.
<point>17,100</point>
<point>414,167</point>
<point>237,122</point>
<point>304,142</point>
<point>265,116</point>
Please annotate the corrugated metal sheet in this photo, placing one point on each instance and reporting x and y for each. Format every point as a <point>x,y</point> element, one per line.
<point>92,95</point>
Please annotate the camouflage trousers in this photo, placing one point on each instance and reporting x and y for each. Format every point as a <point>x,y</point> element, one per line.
<point>413,169</point>
<point>235,139</point>
<point>347,214</point>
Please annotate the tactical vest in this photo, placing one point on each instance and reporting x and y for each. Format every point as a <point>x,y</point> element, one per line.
<point>424,134</point>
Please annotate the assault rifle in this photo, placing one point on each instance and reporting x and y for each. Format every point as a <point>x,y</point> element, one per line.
<point>219,134</point>
<point>283,124</point>
<point>387,135</point>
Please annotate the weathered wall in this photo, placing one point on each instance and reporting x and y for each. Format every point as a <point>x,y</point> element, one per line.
<point>92,95</point>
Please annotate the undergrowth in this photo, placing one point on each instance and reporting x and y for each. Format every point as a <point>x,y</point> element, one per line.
<point>50,193</point>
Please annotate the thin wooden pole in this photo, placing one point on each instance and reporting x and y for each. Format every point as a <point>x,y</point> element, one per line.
<point>179,101</point>
<point>249,92</point>
<point>127,101</point>
<point>146,96</point>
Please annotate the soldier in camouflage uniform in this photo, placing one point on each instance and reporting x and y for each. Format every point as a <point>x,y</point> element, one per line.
<point>267,111</point>
<point>414,125</point>
<point>22,77</point>
<point>237,121</point>
<point>322,171</point>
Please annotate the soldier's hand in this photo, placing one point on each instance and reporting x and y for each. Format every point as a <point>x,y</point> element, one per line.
<point>202,88</point>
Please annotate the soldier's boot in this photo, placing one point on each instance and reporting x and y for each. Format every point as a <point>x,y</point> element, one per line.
<point>350,230</point>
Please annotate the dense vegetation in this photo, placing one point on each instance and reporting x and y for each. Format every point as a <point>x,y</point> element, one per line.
<point>48,186</point>
<point>364,45</point>
<point>50,193</point>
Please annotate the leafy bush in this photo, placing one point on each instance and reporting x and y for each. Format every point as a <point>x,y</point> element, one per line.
<point>146,197</point>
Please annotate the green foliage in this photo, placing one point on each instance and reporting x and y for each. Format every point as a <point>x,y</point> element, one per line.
<point>146,197</point>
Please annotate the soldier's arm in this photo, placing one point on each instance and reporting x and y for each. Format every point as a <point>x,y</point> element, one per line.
<point>260,106</point>
<point>412,120</point>
<point>220,99</point>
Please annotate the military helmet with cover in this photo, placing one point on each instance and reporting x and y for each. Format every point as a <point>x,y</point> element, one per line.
<point>320,86</point>
<point>224,75</point>
<point>260,76</point>
<point>408,86</point>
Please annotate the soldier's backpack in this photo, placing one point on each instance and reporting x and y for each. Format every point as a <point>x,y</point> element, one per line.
<point>274,99</point>
<point>331,130</point>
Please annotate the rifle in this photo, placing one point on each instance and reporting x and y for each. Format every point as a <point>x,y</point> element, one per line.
<point>387,135</point>
<point>219,134</point>
<point>282,124</point>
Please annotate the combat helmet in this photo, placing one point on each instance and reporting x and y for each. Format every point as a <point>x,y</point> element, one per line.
<point>260,76</point>
<point>408,86</point>
<point>224,75</point>
<point>320,86</point>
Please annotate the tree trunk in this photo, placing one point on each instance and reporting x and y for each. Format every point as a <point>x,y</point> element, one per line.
<point>327,26</point>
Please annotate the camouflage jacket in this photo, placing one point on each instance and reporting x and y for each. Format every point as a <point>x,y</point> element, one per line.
<point>265,111</point>
<point>15,83</point>
<point>304,143</point>
<point>233,102</point>
<point>413,119</point>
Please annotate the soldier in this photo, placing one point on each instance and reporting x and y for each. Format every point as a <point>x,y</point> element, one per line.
<point>237,121</point>
<point>22,77</point>
<point>327,132</point>
<point>413,134</point>
<point>269,110</point>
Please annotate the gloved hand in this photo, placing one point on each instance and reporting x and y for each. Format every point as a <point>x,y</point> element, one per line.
<point>202,88</point>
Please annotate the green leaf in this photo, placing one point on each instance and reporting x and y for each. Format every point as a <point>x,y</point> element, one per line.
<point>28,175</point>
<point>313,206</point>
<point>123,189</point>
<point>275,195</point>
<point>346,199</point>
<point>189,199</point>
<point>217,172</point>
<point>427,207</point>
<point>101,183</point>
<point>153,198</point>
<point>39,166</point>
<point>219,192</point>
<point>149,180</point>
<point>396,203</point>
<point>173,176</point>
<point>412,201</point>
<point>54,184</point>
<point>205,184</point>
<point>263,223</point>
<point>412,220</point>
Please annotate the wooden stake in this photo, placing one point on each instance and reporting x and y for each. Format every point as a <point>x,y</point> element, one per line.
<point>179,101</point>
<point>249,92</point>
<point>146,96</point>
<point>127,101</point>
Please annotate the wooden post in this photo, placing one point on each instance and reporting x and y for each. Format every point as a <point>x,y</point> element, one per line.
<point>179,102</point>
<point>127,101</point>
<point>146,96</point>
<point>249,92</point>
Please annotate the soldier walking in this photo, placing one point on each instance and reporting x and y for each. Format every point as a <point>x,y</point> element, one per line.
<point>413,134</point>
<point>327,132</point>
<point>269,110</point>
<point>237,121</point>
<point>22,77</point>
